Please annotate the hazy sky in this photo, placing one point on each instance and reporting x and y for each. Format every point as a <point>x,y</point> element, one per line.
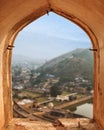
<point>49,37</point>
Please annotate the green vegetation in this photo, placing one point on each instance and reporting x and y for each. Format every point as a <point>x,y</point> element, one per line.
<point>55,90</point>
<point>69,73</point>
<point>78,62</point>
<point>31,94</point>
<point>25,94</point>
<point>65,93</point>
<point>41,99</point>
<point>80,96</point>
<point>56,103</point>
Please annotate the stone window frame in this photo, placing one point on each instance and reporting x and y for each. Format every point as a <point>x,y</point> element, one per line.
<point>7,112</point>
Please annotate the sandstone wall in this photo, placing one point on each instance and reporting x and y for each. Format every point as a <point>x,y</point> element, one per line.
<point>16,14</point>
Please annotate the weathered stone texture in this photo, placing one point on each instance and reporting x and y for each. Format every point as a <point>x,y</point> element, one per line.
<point>61,124</point>
<point>16,14</point>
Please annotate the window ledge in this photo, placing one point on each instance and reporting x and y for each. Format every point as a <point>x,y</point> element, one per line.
<point>60,124</point>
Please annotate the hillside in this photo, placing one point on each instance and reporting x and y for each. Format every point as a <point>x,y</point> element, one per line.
<point>24,61</point>
<point>76,63</point>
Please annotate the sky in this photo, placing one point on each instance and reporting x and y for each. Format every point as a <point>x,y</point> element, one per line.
<point>50,36</point>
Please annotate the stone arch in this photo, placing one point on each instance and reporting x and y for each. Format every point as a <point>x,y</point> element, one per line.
<point>22,24</point>
<point>62,9</point>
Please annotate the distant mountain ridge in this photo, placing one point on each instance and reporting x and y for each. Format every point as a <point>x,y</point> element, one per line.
<point>25,61</point>
<point>77,62</point>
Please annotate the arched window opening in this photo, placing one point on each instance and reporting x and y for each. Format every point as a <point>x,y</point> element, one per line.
<point>52,70</point>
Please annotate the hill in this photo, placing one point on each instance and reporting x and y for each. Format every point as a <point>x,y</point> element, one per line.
<point>24,61</point>
<point>70,65</point>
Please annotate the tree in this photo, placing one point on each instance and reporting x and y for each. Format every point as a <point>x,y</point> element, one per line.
<point>55,90</point>
<point>89,88</point>
<point>17,70</point>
